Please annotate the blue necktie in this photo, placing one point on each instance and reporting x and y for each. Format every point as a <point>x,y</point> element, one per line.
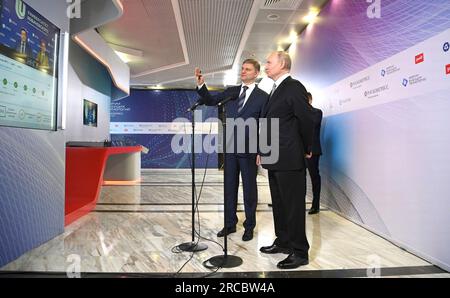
<point>242,99</point>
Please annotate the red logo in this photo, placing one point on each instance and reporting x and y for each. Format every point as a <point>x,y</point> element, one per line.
<point>447,69</point>
<point>420,58</point>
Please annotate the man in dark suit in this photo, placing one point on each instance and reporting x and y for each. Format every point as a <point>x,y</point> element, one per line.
<point>312,159</point>
<point>22,45</point>
<point>247,105</point>
<point>23,49</point>
<point>287,176</point>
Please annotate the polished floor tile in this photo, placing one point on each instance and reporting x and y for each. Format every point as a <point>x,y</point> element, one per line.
<point>136,229</point>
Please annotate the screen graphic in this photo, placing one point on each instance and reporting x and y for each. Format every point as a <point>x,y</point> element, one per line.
<point>28,72</point>
<point>148,118</point>
<point>90,112</point>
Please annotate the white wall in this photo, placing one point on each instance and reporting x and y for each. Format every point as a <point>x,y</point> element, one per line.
<point>76,131</point>
<point>32,167</point>
<point>386,162</point>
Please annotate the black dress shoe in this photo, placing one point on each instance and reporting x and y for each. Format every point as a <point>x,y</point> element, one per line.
<point>229,231</point>
<point>248,235</point>
<point>274,249</point>
<point>293,261</point>
<point>313,211</point>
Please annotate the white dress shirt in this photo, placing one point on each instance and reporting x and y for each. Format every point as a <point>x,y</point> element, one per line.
<point>250,89</point>
<point>281,79</point>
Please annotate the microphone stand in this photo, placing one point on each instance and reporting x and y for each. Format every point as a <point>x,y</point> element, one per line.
<point>225,260</point>
<point>193,246</point>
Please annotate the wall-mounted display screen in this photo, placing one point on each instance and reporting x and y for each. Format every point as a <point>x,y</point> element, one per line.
<point>28,67</point>
<point>90,112</point>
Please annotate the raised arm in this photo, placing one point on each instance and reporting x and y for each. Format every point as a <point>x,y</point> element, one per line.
<point>203,91</point>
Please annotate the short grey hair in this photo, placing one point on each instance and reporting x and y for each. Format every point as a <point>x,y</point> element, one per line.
<point>284,57</point>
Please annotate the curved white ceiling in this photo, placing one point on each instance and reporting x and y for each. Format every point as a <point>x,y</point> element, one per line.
<point>178,35</point>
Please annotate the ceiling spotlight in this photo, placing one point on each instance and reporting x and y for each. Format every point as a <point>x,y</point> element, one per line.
<point>293,36</point>
<point>273,17</point>
<point>311,17</point>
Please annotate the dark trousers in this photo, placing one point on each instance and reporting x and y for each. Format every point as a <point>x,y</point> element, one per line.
<point>246,166</point>
<point>288,191</point>
<point>313,168</point>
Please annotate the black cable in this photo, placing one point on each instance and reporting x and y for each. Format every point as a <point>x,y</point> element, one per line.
<point>216,269</point>
<point>178,250</point>
<point>197,233</point>
<point>198,200</point>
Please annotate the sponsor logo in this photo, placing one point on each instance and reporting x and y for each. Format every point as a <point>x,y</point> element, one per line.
<point>375,92</point>
<point>20,9</point>
<point>358,83</point>
<point>447,69</point>
<point>389,70</point>
<point>446,46</point>
<point>416,79</point>
<point>405,82</point>
<point>420,58</point>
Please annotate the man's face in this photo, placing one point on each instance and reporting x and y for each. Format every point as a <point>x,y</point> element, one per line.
<point>248,73</point>
<point>274,66</point>
<point>43,46</point>
<point>23,36</point>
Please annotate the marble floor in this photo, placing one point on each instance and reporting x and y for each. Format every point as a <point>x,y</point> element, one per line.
<point>136,229</point>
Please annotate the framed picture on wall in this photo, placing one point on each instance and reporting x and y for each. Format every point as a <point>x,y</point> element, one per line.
<point>90,112</point>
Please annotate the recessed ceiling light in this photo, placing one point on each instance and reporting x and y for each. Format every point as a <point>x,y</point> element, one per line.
<point>293,37</point>
<point>273,17</point>
<point>311,17</point>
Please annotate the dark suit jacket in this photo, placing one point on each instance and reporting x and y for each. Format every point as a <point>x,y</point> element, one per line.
<point>289,104</point>
<point>252,109</point>
<point>27,49</point>
<point>27,56</point>
<point>317,119</point>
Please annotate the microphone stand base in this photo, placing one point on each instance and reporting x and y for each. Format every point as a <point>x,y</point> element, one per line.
<point>192,246</point>
<point>223,261</point>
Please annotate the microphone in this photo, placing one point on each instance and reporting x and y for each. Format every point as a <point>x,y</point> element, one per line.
<point>195,105</point>
<point>225,101</point>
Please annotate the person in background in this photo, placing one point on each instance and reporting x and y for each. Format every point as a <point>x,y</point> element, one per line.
<point>42,57</point>
<point>23,49</point>
<point>312,158</point>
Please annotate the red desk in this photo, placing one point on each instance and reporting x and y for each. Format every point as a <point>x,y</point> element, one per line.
<point>85,167</point>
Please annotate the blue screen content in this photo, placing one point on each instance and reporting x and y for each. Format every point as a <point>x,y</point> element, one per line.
<point>28,67</point>
<point>90,113</point>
